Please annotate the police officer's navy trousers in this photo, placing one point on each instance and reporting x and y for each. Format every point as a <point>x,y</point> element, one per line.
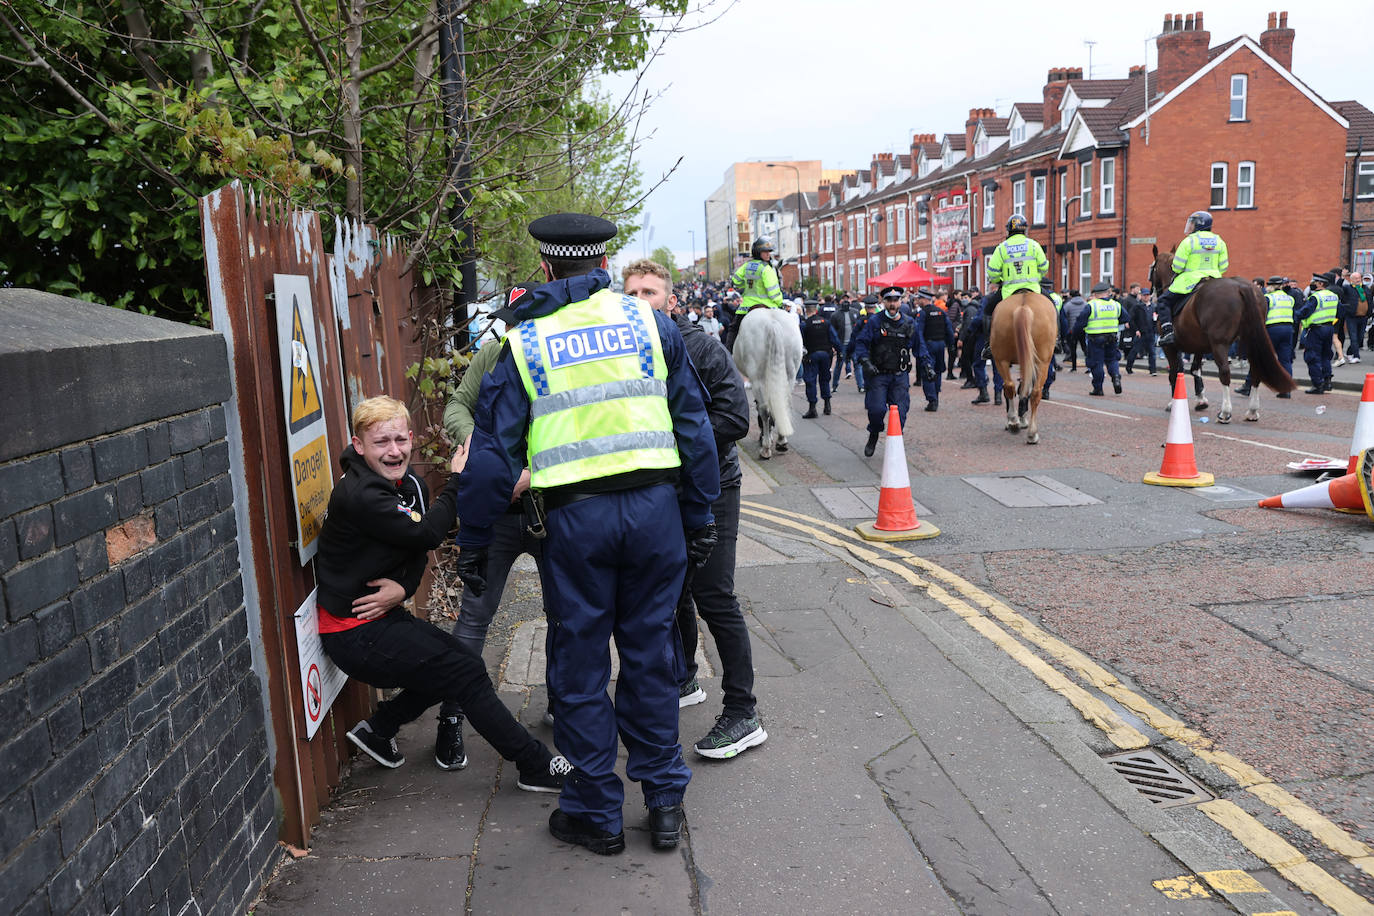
<point>431,666</point>
<point>614,566</point>
<point>816,366</point>
<point>1281,336</point>
<point>509,539</point>
<point>883,389</point>
<point>712,590</point>
<point>931,388</point>
<point>1101,349</point>
<point>1317,352</point>
<point>978,366</point>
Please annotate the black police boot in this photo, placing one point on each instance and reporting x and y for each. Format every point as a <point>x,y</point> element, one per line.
<point>1317,388</point>
<point>810,413</point>
<point>1116,383</point>
<point>1286,395</point>
<point>932,406</point>
<point>871,444</point>
<point>1244,390</point>
<point>982,395</point>
<point>996,397</point>
<point>827,407</point>
<point>1166,333</point>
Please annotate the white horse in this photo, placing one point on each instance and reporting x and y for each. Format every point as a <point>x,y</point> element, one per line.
<point>768,351</point>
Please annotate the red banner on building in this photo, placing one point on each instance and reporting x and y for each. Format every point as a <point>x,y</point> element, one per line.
<point>952,246</point>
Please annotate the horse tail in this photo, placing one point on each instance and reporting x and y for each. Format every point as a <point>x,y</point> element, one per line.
<point>1024,319</point>
<point>777,377</point>
<point>1264,362</point>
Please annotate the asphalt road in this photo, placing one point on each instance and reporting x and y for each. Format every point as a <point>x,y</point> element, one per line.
<point>941,711</point>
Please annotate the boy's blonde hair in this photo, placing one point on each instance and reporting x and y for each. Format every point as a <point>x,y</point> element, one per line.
<point>646,266</point>
<point>377,410</point>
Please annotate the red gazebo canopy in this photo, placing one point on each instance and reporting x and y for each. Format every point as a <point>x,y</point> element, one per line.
<point>908,275</point>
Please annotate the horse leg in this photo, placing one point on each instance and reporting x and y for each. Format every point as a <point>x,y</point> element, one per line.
<point>765,435</point>
<point>1200,399</point>
<point>1033,428</point>
<point>1219,355</point>
<point>1252,409</point>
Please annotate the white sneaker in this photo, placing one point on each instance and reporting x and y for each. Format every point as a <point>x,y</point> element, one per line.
<point>1353,359</point>
<point>1339,362</point>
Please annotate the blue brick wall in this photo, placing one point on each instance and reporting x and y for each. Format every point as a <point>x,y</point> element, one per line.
<point>126,782</point>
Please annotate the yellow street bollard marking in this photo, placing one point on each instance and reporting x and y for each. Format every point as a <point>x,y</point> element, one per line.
<point>1232,881</point>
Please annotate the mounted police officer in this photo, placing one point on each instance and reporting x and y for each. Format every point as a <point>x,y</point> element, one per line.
<point>1318,315</point>
<point>1201,254</point>
<point>938,333</point>
<point>819,344</point>
<point>1278,324</point>
<point>1017,263</point>
<point>884,348</point>
<point>759,282</point>
<point>1099,323</point>
<point>594,392</point>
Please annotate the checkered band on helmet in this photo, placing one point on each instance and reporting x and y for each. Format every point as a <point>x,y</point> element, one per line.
<point>591,250</point>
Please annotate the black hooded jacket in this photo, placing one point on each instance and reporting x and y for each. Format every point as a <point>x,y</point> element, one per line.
<point>728,407</point>
<point>376,529</point>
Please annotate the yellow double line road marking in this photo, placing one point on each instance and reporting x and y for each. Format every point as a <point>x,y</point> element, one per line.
<point>939,582</point>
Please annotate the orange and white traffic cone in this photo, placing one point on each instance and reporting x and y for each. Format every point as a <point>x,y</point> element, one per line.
<point>897,519</point>
<point>1180,467</point>
<point>1347,494</point>
<point>1364,424</point>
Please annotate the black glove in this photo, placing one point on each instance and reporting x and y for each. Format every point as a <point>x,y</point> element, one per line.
<point>700,543</point>
<point>472,569</point>
<point>870,367</point>
<point>928,372</point>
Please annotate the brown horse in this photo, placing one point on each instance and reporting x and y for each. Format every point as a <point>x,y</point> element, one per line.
<point>1218,312</point>
<point>1024,328</point>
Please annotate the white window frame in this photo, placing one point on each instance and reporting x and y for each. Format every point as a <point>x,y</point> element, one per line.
<point>922,220</point>
<point>1085,188</point>
<point>989,206</point>
<point>1240,84</point>
<point>1218,184</point>
<point>891,228</point>
<point>1245,190</point>
<point>1364,171</point>
<point>956,200</point>
<point>1063,197</point>
<point>1038,186</point>
<point>1107,188</point>
<point>1106,270</point>
<point>859,234</point>
<point>1064,273</point>
<point>860,274</point>
<point>1018,197</point>
<point>1085,271</point>
<point>899,217</point>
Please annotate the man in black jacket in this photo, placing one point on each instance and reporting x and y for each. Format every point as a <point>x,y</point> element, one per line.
<point>712,586</point>
<point>373,549</point>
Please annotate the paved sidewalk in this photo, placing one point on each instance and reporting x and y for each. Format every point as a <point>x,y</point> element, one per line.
<point>908,770</point>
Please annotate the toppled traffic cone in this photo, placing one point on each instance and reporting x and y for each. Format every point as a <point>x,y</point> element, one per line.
<point>1180,467</point>
<point>897,519</point>
<point>1349,493</point>
<point>1364,424</point>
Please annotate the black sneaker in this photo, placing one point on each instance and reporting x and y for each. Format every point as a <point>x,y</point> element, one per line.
<point>448,744</point>
<point>575,830</point>
<point>546,780</point>
<point>690,694</point>
<point>871,445</point>
<point>382,750</point>
<point>730,736</point>
<point>665,826</point>
<point>1116,384</point>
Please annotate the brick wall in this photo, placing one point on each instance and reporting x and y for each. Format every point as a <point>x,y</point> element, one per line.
<point>134,769</point>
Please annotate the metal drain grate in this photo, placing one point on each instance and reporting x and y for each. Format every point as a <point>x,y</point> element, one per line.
<point>1157,779</point>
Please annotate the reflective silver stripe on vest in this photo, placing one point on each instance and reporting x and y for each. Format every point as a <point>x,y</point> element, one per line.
<point>604,445</point>
<point>597,394</point>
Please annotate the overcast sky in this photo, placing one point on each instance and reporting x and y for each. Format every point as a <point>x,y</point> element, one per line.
<point>839,81</point>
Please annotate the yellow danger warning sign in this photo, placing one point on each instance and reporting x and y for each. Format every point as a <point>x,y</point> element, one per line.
<point>305,391</point>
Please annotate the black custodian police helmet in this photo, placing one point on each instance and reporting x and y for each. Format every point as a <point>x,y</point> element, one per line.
<point>1201,220</point>
<point>1017,224</point>
<point>759,246</point>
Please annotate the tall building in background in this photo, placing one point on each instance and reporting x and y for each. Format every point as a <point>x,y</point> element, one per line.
<point>727,207</point>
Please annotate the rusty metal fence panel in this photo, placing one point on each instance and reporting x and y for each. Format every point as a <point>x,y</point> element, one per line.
<point>367,330</point>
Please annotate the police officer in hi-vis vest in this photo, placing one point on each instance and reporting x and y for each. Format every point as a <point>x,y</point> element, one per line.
<point>1318,316</point>
<point>758,281</point>
<point>1200,255</point>
<point>1099,323</point>
<point>1017,264</point>
<point>594,392</point>
<point>938,333</point>
<point>1278,324</point>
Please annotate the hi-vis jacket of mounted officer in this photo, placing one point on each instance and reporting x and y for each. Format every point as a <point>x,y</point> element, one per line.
<point>758,284</point>
<point>1018,263</point>
<point>1201,254</point>
<point>590,351</point>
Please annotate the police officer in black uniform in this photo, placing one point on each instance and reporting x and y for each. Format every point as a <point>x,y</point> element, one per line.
<point>938,333</point>
<point>884,348</point>
<point>819,344</point>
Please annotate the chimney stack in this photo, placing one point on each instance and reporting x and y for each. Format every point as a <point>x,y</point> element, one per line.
<point>1277,40</point>
<point>1182,49</point>
<point>1055,83</point>
<point>1136,70</point>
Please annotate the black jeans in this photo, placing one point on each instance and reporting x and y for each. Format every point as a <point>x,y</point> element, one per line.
<point>430,666</point>
<point>712,589</point>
